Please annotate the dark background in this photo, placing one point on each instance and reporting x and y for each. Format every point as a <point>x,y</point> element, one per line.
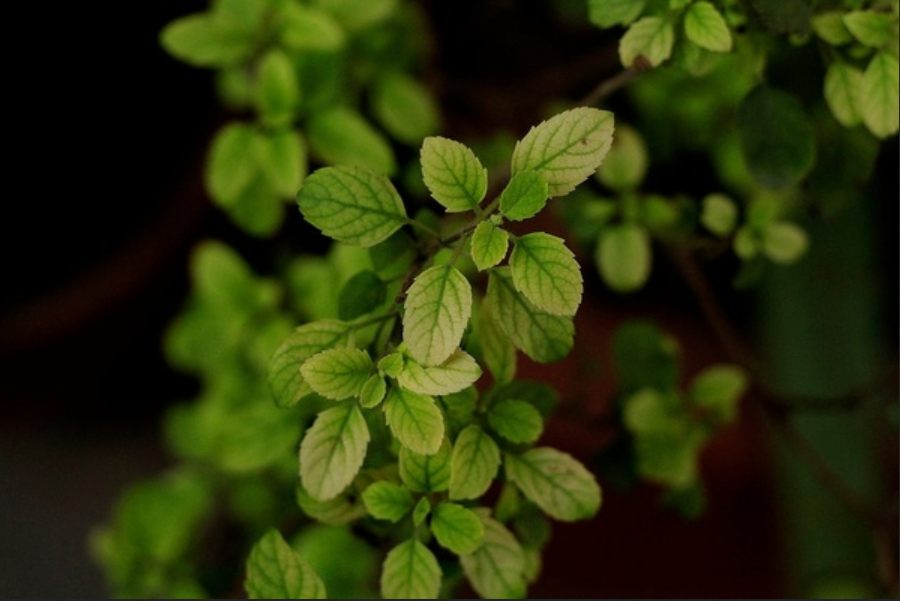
<point>106,138</point>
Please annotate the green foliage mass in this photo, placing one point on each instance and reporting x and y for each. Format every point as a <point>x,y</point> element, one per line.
<point>365,400</point>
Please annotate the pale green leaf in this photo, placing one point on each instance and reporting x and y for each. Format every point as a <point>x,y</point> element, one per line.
<point>283,160</point>
<point>203,40</point>
<point>285,380</point>
<point>489,245</point>
<point>337,373</point>
<point>719,214</point>
<point>373,391</point>
<point>516,421</point>
<point>556,482</point>
<point>275,571</point>
<point>457,528</point>
<point>410,571</point>
<point>278,90</point>
<point>387,501</point>
<point>784,242</point>
<point>474,463</point>
<point>335,511</point>
<point>426,473</point>
<point>524,196</point>
<point>746,243</point>
<point>258,209</point>
<point>650,38</point>
<point>565,149</point>
<point>496,569</point>
<point>405,107</point>
<point>607,13</point>
<point>540,335</point>
<point>454,374</point>
<point>421,511</point>
<point>880,99</point>
<point>352,205</point>
<point>333,450</point>
<point>415,420</point>
<point>453,174</point>
<point>438,307</point>
<point>309,28</point>
<point>495,348</point>
<point>341,136</point>
<point>843,89</point>
<point>705,26</point>
<point>873,29</point>
<point>626,163</point>
<point>830,27</point>
<point>391,364</point>
<point>624,256</point>
<point>231,164</point>
<point>546,272</point>
<point>717,389</point>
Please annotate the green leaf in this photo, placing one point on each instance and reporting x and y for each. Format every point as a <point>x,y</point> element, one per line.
<point>540,335</point>
<point>565,149</point>
<point>516,421</point>
<point>493,346</point>
<point>453,174</point>
<point>843,91</point>
<point>357,15</point>
<point>524,196</point>
<point>546,272</point>
<point>457,528</point>
<point>337,373</point>
<point>607,13</point>
<point>415,420</point>
<point>307,28</point>
<point>651,39</point>
<point>421,511</point>
<point>258,210</point>
<point>333,450</point>
<point>387,501</point>
<point>705,26</point>
<point>341,136</point>
<point>496,569</point>
<point>203,40</point>
<point>285,380</point>
<point>717,389</point>
<point>275,571</point>
<point>373,391</point>
<point>644,356</point>
<point>784,242</point>
<point>830,27</point>
<point>556,482</point>
<point>624,256</point>
<point>880,99</point>
<point>231,164</point>
<point>410,571</point>
<point>872,29</point>
<point>278,91</point>
<point>777,140</point>
<point>719,214</point>
<point>283,160</point>
<point>426,473</point>
<point>625,165</point>
<point>335,511</point>
<point>392,364</point>
<point>361,294</point>
<point>783,16</point>
<point>489,245</point>
<point>438,307</point>
<point>352,205</point>
<point>405,107</point>
<point>474,463</point>
<point>456,373</point>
